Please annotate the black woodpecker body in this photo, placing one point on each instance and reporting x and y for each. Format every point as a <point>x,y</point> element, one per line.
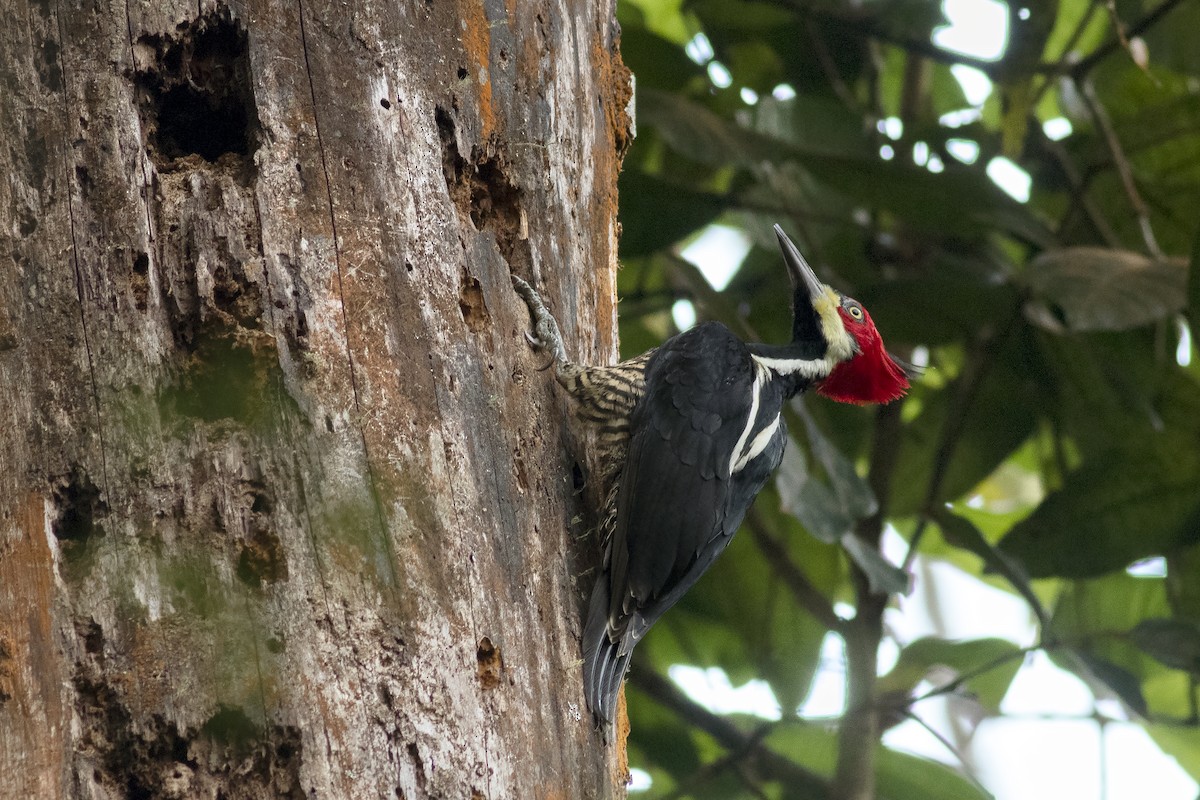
<point>689,433</point>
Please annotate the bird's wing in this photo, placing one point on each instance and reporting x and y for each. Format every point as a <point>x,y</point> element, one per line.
<point>673,498</point>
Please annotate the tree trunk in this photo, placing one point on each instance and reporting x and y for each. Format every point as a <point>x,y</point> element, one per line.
<point>286,509</point>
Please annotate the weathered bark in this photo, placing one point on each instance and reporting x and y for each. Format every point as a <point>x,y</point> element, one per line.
<point>285,510</point>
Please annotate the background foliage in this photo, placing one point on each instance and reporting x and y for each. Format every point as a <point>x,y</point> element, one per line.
<point>1054,438</point>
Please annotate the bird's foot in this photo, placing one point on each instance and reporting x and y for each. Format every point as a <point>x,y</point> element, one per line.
<point>546,335</point>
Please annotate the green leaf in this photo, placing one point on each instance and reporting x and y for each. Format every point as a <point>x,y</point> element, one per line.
<point>1182,587</point>
<point>956,200</point>
<point>1001,416</point>
<point>851,490</point>
<point>938,308</point>
<point>742,618</point>
<point>1144,500</point>
<point>1182,742</point>
<point>900,776</point>
<point>656,213</point>
<point>1096,288</point>
<point>808,499</point>
<point>657,62</point>
<point>962,533</point>
<point>883,577</point>
<point>1172,41</point>
<point>664,18</point>
<point>1120,681</point>
<point>1174,642</point>
<point>659,740</point>
<point>993,662</point>
<point>1092,617</point>
<point>1193,287</point>
<point>828,510</point>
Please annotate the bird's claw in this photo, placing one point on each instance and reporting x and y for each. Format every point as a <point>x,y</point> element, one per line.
<point>546,335</point>
<point>537,345</point>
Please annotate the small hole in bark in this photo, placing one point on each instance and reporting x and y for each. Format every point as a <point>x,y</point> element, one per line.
<point>84,179</point>
<point>90,633</point>
<point>470,303</point>
<point>329,423</point>
<point>78,502</point>
<point>577,476</point>
<point>383,101</point>
<point>261,560</point>
<point>462,73</point>
<point>141,281</point>
<point>232,727</point>
<point>490,663</point>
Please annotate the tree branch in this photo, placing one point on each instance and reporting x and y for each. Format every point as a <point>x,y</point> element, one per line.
<point>770,764</point>
<point>1079,195</point>
<point>792,576</point>
<point>1098,112</point>
<point>858,736</point>
<point>1080,70</point>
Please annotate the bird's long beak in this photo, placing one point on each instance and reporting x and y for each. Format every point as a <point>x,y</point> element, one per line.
<point>799,271</point>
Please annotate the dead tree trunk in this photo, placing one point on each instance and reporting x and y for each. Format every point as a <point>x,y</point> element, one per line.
<point>285,508</point>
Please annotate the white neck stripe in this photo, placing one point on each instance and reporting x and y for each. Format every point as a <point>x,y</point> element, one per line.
<point>813,368</point>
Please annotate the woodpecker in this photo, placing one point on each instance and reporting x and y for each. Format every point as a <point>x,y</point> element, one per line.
<point>688,434</point>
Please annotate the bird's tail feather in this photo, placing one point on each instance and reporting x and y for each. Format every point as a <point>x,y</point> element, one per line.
<point>604,661</point>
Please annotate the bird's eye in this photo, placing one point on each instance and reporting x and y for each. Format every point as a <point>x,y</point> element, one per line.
<point>855,311</point>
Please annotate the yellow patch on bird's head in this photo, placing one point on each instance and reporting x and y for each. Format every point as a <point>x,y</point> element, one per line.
<point>841,344</point>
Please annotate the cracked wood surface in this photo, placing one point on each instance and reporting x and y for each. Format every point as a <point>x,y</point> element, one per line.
<point>285,508</point>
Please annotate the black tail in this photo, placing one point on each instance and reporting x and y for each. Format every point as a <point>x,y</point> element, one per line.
<point>604,665</point>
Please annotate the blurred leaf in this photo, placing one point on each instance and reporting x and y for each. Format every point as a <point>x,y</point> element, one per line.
<point>828,510</point>
<point>1183,589</point>
<point>812,121</point>
<point>809,500</point>
<point>1174,642</point>
<point>1182,742</point>
<point>937,309</point>
<point>901,776</point>
<point>659,738</point>
<point>1172,42</point>
<point>945,92</point>
<point>657,62</point>
<point>1193,288</point>
<point>883,576</point>
<point>755,65</point>
<point>1113,389</point>
<point>1095,288</point>
<point>742,618</point>
<point>1072,14</point>
<point>656,214</point>
<point>1014,124</point>
<point>851,490</point>
<point>1001,415</point>
<point>1144,500</point>
<point>664,18</point>
<point>962,533</point>
<point>1120,681</point>
<point>996,662</point>
<point>1092,618</point>
<point>954,200</point>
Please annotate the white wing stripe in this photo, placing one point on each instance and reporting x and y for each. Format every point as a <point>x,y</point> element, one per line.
<point>758,445</point>
<point>756,393</point>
